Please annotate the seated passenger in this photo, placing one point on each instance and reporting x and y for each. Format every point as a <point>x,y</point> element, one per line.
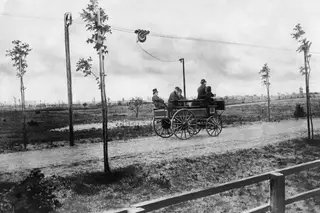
<point>208,100</point>
<point>202,89</point>
<point>208,97</point>
<point>173,98</point>
<point>181,98</point>
<point>158,102</point>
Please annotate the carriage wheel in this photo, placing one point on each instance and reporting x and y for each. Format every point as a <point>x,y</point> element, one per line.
<point>198,127</point>
<point>184,124</point>
<point>162,127</point>
<point>214,125</point>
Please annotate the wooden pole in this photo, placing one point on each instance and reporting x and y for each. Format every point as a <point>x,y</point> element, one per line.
<point>307,91</point>
<point>184,78</point>
<point>67,23</point>
<point>103,101</point>
<point>277,193</point>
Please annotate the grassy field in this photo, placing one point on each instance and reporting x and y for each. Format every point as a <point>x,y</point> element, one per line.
<point>90,190</point>
<point>48,119</point>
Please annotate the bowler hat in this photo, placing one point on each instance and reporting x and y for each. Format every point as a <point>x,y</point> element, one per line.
<point>154,91</point>
<point>203,81</point>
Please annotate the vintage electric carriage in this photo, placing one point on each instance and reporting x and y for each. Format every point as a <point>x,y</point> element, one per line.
<point>186,121</point>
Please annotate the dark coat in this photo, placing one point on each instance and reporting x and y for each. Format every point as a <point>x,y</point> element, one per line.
<point>201,91</point>
<point>158,102</point>
<point>181,98</point>
<point>173,97</point>
<point>208,97</point>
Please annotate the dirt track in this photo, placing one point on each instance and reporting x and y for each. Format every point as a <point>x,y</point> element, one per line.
<point>145,150</point>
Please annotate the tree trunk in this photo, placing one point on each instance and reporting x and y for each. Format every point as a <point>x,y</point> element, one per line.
<point>137,114</point>
<point>307,92</point>
<point>104,107</point>
<point>24,130</point>
<point>311,121</point>
<point>269,118</point>
<point>310,110</point>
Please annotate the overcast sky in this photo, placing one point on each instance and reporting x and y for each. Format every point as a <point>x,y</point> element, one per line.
<point>229,69</point>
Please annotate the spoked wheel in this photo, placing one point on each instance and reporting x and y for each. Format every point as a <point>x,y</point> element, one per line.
<point>162,127</point>
<point>198,127</point>
<point>184,124</point>
<point>214,125</point>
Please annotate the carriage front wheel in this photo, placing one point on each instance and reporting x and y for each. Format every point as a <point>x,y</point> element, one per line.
<point>214,125</point>
<point>162,127</point>
<point>184,124</point>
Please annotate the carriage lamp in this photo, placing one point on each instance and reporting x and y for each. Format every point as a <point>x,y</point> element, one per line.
<point>141,35</point>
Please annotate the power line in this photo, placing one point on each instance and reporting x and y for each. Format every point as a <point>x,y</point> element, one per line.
<point>153,55</point>
<point>126,30</point>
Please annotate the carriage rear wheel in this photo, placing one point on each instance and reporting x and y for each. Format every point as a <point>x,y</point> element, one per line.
<point>214,125</point>
<point>184,124</point>
<point>198,127</point>
<point>162,127</point>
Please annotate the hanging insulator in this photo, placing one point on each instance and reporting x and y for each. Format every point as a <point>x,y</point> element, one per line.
<point>68,19</point>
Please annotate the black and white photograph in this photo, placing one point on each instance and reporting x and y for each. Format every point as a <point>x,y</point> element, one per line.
<point>127,106</point>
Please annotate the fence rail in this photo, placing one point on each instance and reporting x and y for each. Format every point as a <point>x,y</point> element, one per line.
<point>276,204</point>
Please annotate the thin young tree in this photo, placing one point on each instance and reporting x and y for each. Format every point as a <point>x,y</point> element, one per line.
<point>95,22</point>
<point>135,104</point>
<point>265,78</point>
<point>304,46</point>
<point>18,56</point>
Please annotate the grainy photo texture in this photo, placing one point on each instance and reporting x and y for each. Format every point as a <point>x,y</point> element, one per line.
<point>125,106</point>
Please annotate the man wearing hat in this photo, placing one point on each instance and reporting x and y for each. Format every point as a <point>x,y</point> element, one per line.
<point>158,102</point>
<point>202,89</point>
<point>180,97</point>
<point>174,97</point>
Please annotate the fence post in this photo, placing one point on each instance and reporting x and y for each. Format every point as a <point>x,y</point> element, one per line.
<point>277,193</point>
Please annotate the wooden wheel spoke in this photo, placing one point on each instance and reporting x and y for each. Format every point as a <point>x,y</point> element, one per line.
<point>212,131</point>
<point>189,116</point>
<point>178,119</point>
<point>162,131</point>
<point>214,126</point>
<point>179,122</point>
<point>179,128</point>
<point>159,130</point>
<point>184,124</point>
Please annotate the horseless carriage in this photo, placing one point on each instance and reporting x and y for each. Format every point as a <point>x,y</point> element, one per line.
<point>187,120</point>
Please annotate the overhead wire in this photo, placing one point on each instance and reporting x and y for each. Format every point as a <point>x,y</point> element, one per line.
<point>154,56</point>
<point>126,30</point>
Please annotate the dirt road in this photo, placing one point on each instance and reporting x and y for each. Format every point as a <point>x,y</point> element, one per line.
<point>155,148</point>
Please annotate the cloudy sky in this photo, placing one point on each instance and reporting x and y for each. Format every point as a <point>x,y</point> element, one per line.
<point>229,69</point>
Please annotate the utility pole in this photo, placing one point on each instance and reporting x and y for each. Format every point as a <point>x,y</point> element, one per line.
<point>67,23</point>
<point>184,78</point>
<point>103,100</point>
<point>307,90</point>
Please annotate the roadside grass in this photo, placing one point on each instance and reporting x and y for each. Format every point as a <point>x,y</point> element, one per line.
<point>83,187</point>
<point>40,137</point>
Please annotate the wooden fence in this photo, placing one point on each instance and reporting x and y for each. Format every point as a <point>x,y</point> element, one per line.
<point>276,204</point>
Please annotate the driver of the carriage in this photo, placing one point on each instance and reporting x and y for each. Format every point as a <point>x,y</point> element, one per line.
<point>158,102</point>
